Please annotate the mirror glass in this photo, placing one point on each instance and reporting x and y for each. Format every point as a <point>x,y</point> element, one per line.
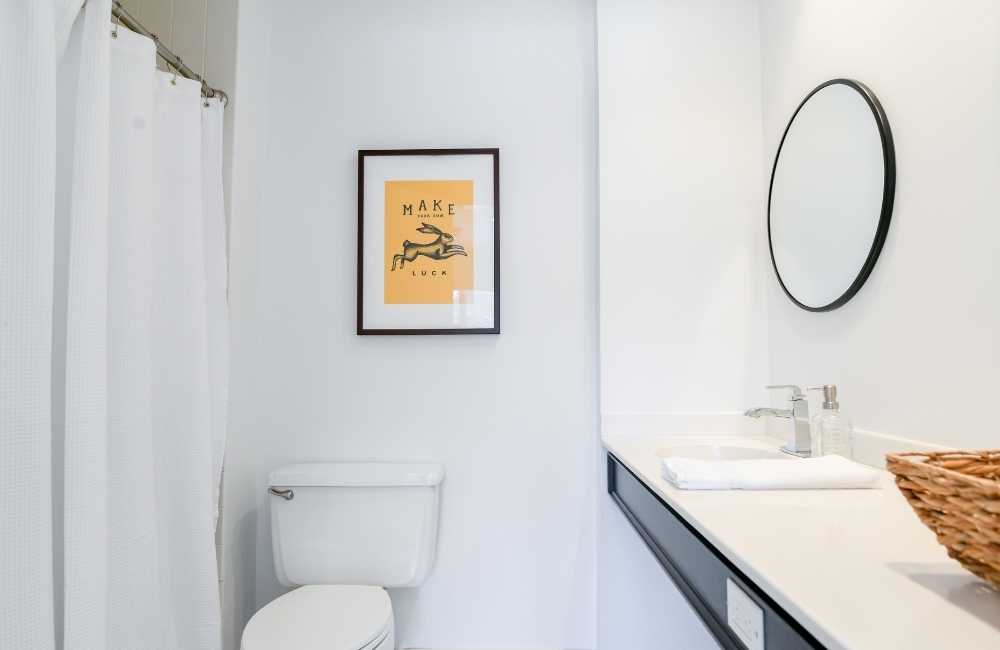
<point>831,195</point>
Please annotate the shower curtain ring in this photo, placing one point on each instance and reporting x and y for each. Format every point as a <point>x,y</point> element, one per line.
<point>173,66</point>
<point>114,31</point>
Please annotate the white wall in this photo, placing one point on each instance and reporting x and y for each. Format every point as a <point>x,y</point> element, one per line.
<point>682,316</point>
<point>915,353</point>
<point>513,417</point>
<point>682,282</point>
<point>241,491</point>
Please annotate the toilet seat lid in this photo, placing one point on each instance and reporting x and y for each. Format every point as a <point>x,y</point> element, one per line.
<point>315,617</point>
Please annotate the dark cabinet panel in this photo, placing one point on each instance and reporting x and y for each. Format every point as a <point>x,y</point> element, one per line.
<point>696,567</point>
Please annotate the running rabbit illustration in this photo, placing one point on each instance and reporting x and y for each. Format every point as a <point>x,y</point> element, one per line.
<point>438,249</point>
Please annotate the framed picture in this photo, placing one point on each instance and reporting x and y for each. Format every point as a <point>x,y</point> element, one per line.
<point>429,241</point>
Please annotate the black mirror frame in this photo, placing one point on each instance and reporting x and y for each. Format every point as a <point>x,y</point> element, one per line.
<point>888,192</point>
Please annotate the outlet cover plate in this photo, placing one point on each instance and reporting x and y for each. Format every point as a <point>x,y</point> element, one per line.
<point>744,617</point>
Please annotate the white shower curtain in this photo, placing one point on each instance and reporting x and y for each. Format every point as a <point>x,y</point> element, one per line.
<point>110,192</point>
<point>81,342</point>
<point>182,395</point>
<point>27,198</point>
<point>217,282</point>
<point>162,391</point>
<point>135,593</point>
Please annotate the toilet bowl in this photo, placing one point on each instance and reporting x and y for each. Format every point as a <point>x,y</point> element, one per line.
<point>341,533</point>
<point>324,617</point>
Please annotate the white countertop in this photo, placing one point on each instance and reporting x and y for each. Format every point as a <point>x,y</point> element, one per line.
<point>855,567</point>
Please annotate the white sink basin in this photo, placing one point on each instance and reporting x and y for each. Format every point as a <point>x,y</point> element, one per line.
<point>720,452</point>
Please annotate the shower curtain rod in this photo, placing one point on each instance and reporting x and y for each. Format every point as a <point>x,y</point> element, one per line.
<point>174,61</point>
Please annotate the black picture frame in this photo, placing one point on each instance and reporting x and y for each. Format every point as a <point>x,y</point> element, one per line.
<point>888,193</point>
<point>362,330</point>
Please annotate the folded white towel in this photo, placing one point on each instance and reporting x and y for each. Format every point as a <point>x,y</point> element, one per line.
<point>824,472</point>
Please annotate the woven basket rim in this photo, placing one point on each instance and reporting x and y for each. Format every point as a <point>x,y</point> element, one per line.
<point>990,484</point>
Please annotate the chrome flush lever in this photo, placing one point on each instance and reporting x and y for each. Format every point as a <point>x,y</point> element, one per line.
<point>287,495</point>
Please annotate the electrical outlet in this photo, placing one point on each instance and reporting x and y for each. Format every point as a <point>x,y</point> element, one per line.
<point>744,617</point>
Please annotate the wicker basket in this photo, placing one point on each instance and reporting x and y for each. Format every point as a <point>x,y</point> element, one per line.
<point>957,495</point>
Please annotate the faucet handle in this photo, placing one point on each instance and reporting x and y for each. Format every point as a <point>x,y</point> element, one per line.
<point>795,392</point>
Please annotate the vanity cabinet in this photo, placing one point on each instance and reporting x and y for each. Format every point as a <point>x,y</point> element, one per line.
<point>716,589</point>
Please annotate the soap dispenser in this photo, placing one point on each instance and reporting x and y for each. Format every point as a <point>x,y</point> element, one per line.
<point>831,430</point>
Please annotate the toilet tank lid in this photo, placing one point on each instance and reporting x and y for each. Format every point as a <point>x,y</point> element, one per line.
<point>358,474</point>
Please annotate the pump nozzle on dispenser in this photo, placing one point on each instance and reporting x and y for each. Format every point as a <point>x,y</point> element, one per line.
<point>829,395</point>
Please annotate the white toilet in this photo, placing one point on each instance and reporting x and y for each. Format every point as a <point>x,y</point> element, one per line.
<point>344,531</point>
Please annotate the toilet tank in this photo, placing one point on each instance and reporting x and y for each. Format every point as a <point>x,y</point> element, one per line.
<point>354,523</point>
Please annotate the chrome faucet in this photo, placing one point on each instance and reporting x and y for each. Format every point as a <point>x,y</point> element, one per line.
<point>801,442</point>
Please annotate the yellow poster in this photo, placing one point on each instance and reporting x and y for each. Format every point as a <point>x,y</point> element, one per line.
<point>428,242</point>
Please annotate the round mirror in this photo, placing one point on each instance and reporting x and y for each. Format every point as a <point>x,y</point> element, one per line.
<point>831,195</point>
